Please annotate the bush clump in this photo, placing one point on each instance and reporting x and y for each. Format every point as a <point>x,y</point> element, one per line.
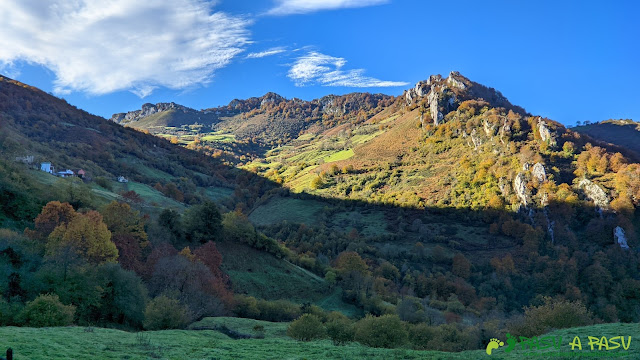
<point>47,310</point>
<point>386,331</point>
<point>340,331</point>
<point>306,328</point>
<point>164,313</point>
<point>552,314</point>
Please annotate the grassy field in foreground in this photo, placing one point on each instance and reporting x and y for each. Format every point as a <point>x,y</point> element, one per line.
<point>78,343</point>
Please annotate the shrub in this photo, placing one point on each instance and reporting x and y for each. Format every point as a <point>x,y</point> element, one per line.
<point>306,328</point>
<point>553,314</point>
<point>246,307</point>
<point>448,337</point>
<point>164,313</point>
<point>386,331</point>
<point>278,310</point>
<point>47,310</point>
<point>317,182</point>
<point>410,310</point>
<point>420,335</point>
<point>104,183</point>
<point>340,331</point>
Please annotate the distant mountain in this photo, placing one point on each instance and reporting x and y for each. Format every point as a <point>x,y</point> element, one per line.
<point>163,114</point>
<point>265,119</point>
<point>623,133</point>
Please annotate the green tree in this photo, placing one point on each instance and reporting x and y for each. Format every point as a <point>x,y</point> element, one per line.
<point>123,295</point>
<point>75,192</point>
<point>237,227</point>
<point>170,221</point>
<point>203,223</point>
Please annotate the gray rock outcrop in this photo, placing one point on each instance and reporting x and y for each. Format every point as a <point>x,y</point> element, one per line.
<point>520,187</point>
<point>505,188</point>
<point>594,193</point>
<point>545,134</point>
<point>475,139</point>
<point>538,172</point>
<point>620,237</point>
<point>434,102</point>
<point>455,83</point>
<point>489,129</point>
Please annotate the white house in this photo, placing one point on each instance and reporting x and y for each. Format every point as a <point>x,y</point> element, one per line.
<point>122,179</point>
<point>47,167</point>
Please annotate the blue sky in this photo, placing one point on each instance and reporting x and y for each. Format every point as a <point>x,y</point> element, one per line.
<point>570,61</point>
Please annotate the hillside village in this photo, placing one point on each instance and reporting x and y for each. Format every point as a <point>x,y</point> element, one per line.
<point>49,168</point>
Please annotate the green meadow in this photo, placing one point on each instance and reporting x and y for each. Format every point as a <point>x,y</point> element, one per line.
<point>208,343</point>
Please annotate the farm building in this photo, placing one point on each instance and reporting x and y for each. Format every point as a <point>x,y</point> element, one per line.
<point>122,179</point>
<point>65,174</point>
<point>47,167</point>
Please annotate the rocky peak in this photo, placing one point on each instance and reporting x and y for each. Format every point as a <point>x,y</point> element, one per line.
<point>443,95</point>
<point>146,110</point>
<point>454,81</point>
<point>271,97</point>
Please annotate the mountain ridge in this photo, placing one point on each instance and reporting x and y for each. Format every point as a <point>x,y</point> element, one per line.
<point>437,96</point>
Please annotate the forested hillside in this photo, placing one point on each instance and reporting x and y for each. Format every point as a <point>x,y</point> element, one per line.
<point>448,215</point>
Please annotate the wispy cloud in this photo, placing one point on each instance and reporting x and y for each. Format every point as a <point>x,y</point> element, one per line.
<point>287,7</point>
<point>269,52</point>
<point>100,47</point>
<point>320,69</point>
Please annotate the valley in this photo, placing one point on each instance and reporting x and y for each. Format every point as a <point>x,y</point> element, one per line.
<point>447,212</point>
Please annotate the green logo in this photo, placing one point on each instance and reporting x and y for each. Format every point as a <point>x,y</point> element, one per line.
<point>493,344</point>
<point>529,346</point>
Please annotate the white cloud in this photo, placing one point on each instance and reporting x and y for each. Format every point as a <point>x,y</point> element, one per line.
<point>269,52</point>
<point>286,7</point>
<point>99,46</point>
<point>316,68</point>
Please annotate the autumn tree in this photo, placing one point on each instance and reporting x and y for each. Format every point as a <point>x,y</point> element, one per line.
<point>127,230</point>
<point>53,215</point>
<point>85,237</point>
<point>461,266</point>
<point>191,282</point>
<point>353,270</point>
